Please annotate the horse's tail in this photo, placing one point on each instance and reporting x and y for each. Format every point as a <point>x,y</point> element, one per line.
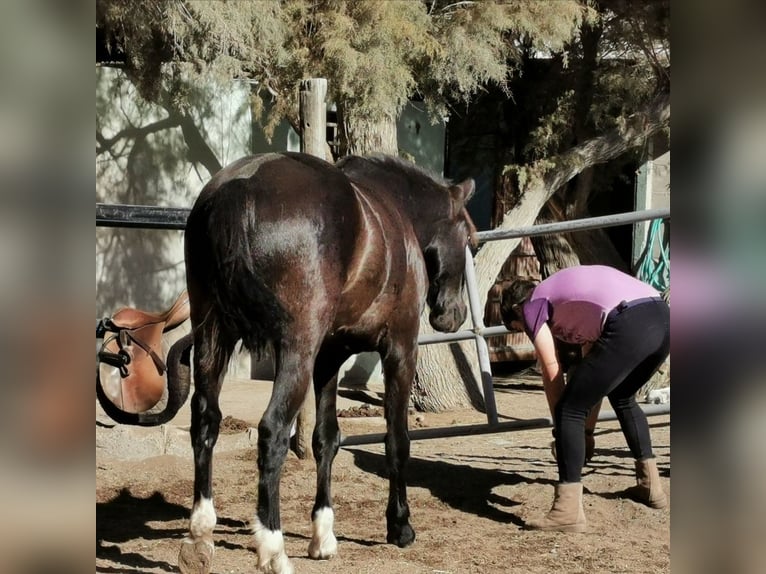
<point>220,236</point>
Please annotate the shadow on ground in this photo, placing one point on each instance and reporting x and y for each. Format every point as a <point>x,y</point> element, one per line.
<point>127,517</point>
<point>461,486</point>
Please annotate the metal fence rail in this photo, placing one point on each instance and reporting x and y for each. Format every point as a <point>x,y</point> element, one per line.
<point>141,216</point>
<point>576,224</point>
<point>146,217</point>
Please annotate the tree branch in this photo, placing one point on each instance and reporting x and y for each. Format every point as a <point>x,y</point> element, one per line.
<point>601,149</point>
<point>106,144</point>
<point>199,150</point>
<point>458,4</point>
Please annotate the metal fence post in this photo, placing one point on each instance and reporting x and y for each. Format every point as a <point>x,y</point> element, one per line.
<point>477,318</point>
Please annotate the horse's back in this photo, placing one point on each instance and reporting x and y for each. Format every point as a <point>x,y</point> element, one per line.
<point>277,186</point>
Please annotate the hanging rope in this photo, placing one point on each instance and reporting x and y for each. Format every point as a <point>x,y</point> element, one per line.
<point>655,272</point>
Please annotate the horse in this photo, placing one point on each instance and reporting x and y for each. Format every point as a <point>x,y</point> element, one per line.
<point>316,261</point>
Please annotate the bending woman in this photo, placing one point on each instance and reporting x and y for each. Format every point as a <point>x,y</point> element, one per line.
<point>624,325</point>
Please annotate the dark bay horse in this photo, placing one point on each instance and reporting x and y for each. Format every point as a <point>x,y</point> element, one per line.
<point>320,261</point>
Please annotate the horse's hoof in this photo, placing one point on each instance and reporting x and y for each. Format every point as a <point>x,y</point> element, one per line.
<point>276,565</point>
<point>403,538</point>
<point>323,543</point>
<point>323,549</point>
<point>196,556</point>
<point>269,546</point>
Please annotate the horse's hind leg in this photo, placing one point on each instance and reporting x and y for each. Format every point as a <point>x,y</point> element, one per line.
<point>325,443</point>
<point>210,360</point>
<point>399,370</point>
<point>293,376</point>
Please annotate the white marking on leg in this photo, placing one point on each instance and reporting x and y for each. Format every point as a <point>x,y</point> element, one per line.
<point>270,547</point>
<point>203,518</point>
<point>323,544</point>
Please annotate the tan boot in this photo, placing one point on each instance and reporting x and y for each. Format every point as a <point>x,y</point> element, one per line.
<point>566,514</point>
<point>648,489</point>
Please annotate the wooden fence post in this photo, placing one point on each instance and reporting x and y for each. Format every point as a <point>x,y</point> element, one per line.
<point>313,116</point>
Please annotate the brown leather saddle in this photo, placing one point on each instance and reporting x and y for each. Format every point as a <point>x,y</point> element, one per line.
<point>132,373</point>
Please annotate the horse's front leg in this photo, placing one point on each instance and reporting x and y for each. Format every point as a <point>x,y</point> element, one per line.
<point>290,386</point>
<point>197,550</point>
<point>325,443</point>
<point>399,370</point>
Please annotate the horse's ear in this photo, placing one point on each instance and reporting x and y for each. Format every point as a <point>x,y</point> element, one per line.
<point>461,193</point>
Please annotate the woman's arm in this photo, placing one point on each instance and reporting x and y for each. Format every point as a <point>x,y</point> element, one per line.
<point>553,376</point>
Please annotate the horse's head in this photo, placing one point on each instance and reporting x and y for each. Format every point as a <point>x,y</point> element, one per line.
<point>445,260</point>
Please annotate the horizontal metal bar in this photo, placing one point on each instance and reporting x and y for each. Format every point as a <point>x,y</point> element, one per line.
<point>485,428</point>
<point>495,331</point>
<point>464,335</point>
<point>431,338</point>
<point>141,216</point>
<point>575,224</point>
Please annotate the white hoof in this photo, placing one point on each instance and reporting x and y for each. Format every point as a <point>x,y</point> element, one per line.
<point>270,547</point>
<point>323,544</point>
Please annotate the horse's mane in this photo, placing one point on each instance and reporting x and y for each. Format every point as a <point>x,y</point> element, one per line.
<point>407,166</point>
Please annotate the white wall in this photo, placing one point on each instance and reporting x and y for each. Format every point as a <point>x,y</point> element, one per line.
<point>154,170</point>
<point>145,268</point>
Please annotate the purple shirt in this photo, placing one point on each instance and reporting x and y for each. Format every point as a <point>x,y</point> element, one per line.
<point>575,301</point>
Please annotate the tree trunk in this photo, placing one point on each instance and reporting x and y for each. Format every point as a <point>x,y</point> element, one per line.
<point>448,375</point>
<point>553,251</point>
<point>561,250</point>
<point>360,135</point>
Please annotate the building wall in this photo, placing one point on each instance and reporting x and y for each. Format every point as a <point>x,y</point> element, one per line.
<point>661,182</point>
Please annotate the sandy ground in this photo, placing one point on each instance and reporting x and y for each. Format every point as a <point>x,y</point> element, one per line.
<point>469,496</point>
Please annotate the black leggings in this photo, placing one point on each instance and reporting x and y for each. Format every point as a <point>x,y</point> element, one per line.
<point>633,344</point>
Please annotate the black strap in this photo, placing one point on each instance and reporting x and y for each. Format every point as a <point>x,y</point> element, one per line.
<point>121,359</point>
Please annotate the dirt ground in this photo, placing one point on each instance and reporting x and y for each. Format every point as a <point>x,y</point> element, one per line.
<point>469,496</point>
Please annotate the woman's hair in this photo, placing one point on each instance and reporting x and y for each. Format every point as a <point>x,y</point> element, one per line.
<point>513,296</point>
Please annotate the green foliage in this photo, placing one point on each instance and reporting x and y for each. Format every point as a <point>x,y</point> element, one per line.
<point>554,130</point>
<point>375,54</point>
<point>527,177</point>
<point>369,49</point>
<point>378,54</point>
